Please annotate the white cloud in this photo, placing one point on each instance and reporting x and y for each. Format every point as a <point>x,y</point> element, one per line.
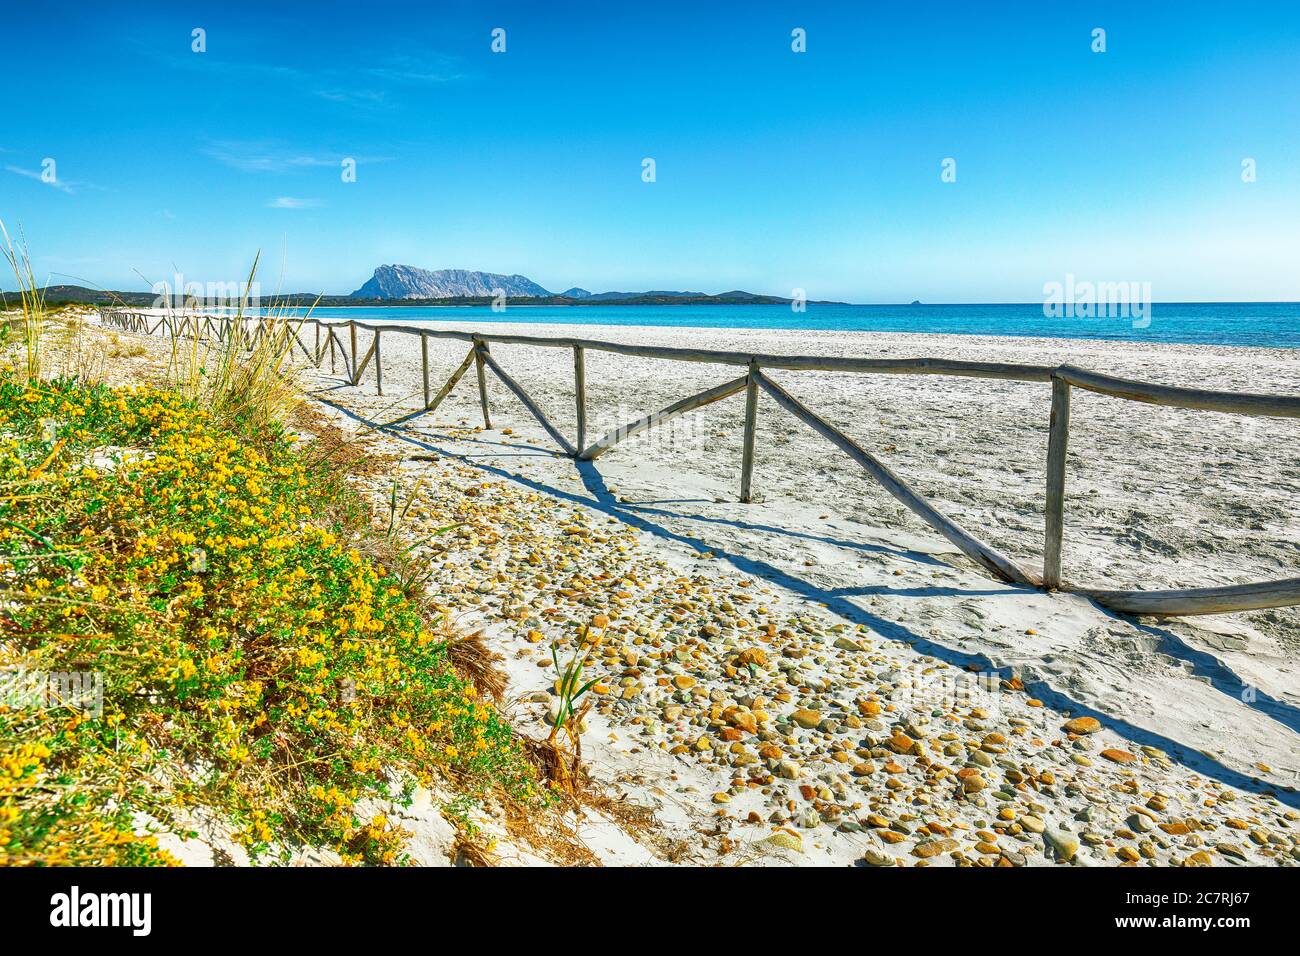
<point>32,174</point>
<point>290,202</point>
<point>424,69</point>
<point>267,157</point>
<point>263,158</point>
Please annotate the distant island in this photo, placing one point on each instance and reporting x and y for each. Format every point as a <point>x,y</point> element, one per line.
<point>409,282</point>
<point>397,284</point>
<point>401,285</point>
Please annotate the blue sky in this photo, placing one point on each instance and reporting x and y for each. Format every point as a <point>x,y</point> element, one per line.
<point>775,170</point>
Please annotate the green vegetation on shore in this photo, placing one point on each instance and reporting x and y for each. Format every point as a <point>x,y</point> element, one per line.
<point>254,662</point>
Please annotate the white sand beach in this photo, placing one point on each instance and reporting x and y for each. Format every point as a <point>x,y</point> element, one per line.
<point>1156,497</point>
<point>848,729</point>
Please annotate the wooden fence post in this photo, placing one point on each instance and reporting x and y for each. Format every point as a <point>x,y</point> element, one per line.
<point>352,332</point>
<point>1057,444</point>
<point>481,347</point>
<point>751,422</point>
<point>424,365</point>
<point>379,366</point>
<point>580,393</point>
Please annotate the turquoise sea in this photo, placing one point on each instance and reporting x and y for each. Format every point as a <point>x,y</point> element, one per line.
<point>1268,324</point>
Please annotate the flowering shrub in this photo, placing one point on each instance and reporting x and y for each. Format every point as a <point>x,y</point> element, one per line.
<point>252,664</point>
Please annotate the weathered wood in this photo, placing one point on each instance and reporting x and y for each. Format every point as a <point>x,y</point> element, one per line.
<point>580,392</point>
<point>1191,601</point>
<point>827,363</point>
<point>294,332</point>
<point>480,350</point>
<point>529,404</point>
<point>1242,403</point>
<point>1057,443</point>
<point>976,550</point>
<point>424,367</point>
<point>379,367</point>
<point>751,427</point>
<point>352,333</point>
<point>707,397</point>
<point>442,392</point>
<point>359,370</point>
<point>451,382</point>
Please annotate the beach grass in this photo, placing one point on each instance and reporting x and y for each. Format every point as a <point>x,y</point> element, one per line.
<point>247,373</point>
<point>31,303</point>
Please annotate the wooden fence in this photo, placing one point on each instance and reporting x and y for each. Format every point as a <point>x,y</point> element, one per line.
<point>327,341</point>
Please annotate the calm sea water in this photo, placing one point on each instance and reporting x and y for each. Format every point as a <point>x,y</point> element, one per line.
<point>1271,324</point>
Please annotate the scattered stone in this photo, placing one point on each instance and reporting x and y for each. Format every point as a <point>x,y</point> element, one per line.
<point>786,840</point>
<point>1083,725</point>
<point>932,848</point>
<point>807,719</point>
<point>1063,845</point>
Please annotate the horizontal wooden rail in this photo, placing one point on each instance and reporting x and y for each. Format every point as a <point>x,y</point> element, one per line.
<point>1062,378</point>
<point>1220,600</point>
<point>1240,403</point>
<point>807,363</point>
<point>706,397</point>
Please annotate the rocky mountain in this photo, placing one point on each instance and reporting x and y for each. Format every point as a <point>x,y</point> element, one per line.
<point>408,282</point>
<point>576,293</point>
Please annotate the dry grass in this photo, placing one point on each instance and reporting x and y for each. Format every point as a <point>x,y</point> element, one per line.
<point>556,766</point>
<point>31,302</point>
<point>549,835</point>
<point>477,663</point>
<point>470,850</point>
<point>246,374</point>
<point>633,818</point>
